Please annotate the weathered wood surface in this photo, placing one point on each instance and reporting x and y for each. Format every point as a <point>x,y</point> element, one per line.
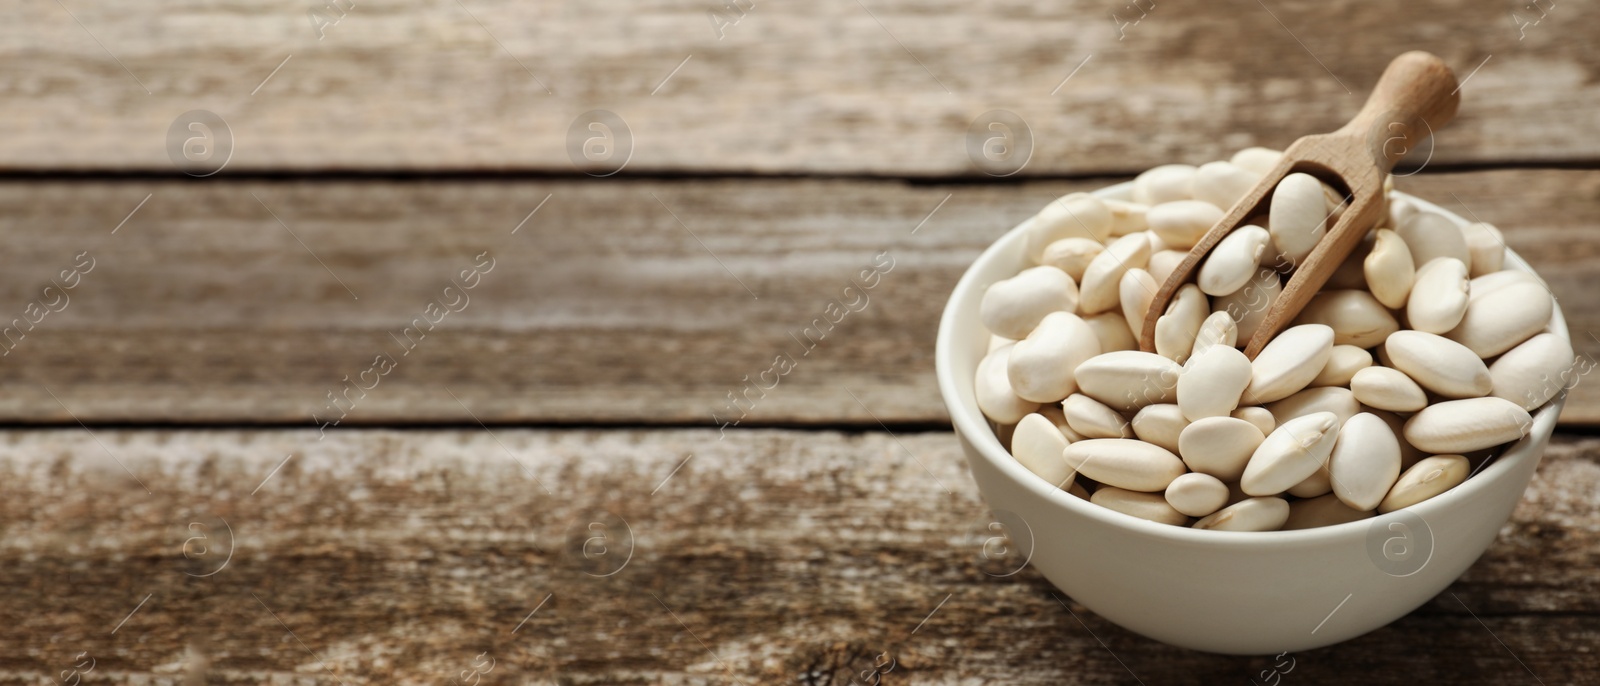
<point>770,556</point>
<point>602,308</point>
<point>867,87</point>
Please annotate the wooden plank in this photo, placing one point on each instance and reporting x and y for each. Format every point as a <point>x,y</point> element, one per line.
<point>493,85</point>
<point>388,557</point>
<point>616,302</point>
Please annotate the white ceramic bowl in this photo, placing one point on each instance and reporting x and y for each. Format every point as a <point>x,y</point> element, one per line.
<point>1227,592</point>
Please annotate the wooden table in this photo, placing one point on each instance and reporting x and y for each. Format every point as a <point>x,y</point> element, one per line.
<point>194,491</point>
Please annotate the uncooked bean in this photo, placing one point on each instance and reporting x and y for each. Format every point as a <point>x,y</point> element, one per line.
<point>1161,425</point>
<point>1077,489</point>
<point>1327,510</point>
<point>1389,270</point>
<point>1052,412</point>
<point>1498,320</point>
<point>1037,445</point>
<point>1102,277</point>
<point>1178,327</point>
<point>1126,217</point>
<point>1298,216</point>
<point>1339,401</point>
<point>1249,305</point>
<point>1162,263</point>
<point>1233,261</point>
<point>1197,495</point>
<point>1165,183</point>
<point>1128,380</point>
<point>1223,183</point>
<point>1254,514</point>
<point>1534,372</point>
<point>993,389</point>
<point>1072,255</point>
<point>1113,332</point>
<point>1462,426</point>
<point>1487,246</point>
<point>1294,451</point>
<point>1135,293</point>
<point>1438,364</point>
<point>1356,317</point>
<point>1343,363</point>
<point>1124,463</point>
<point>1365,461</point>
<point>1438,300</point>
<point>1218,329</point>
<point>1181,223</point>
<point>1259,417</point>
<point>1219,446</point>
<point>1431,235</point>
<point>1387,388</point>
<point>1211,384</point>
<point>1426,479</point>
<point>1151,506</point>
<point>1077,215</point>
<point>1318,484</point>
<point>1288,363</point>
<point>1409,454</point>
<point>1012,307</point>
<point>1092,419</point>
<point>1258,160</point>
<point>1352,271</point>
<point>1040,367</point>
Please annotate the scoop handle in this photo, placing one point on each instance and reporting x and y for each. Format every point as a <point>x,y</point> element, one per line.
<point>1416,96</point>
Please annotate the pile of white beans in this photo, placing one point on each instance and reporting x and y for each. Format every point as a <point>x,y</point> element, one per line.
<point>1417,361</point>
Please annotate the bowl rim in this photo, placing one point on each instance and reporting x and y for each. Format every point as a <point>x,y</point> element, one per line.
<point>974,427</point>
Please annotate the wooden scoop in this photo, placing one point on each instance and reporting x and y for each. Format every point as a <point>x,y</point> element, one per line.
<point>1415,96</point>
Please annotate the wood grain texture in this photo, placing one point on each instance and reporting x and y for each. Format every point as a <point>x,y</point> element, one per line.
<point>838,87</point>
<point>769,556</point>
<point>602,307</point>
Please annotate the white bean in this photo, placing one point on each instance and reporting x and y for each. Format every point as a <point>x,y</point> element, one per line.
<point>1294,451</point>
<point>1438,364</point>
<point>1181,223</point>
<point>1254,514</point>
<point>1389,269</point>
<point>1298,216</point>
<point>1438,300</point>
<point>1136,291</point>
<point>1504,316</point>
<point>1356,317</point>
<point>1462,426</point>
<point>1426,479</point>
<point>1259,417</point>
<point>1113,332</point>
<point>1488,248</point>
<point>1211,384</point>
<point>1124,463</point>
<point>1343,363</point>
<point>1102,277</point>
<point>1162,263</point>
<point>1217,329</point>
<point>1151,506</point>
<point>1387,388</point>
<point>1012,307</point>
<point>1128,380</point>
<point>1092,419</point>
<point>1365,461</point>
<point>1037,445</point>
<point>1219,446</point>
<point>1161,425</point>
<point>1288,363</point>
<point>1072,255</point>
<point>1233,261</point>
<point>993,389</point>
<point>1534,372</point>
<point>1223,183</point>
<point>1178,328</point>
<point>1257,159</point>
<point>1339,401</point>
<point>1197,495</point>
<point>1126,217</point>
